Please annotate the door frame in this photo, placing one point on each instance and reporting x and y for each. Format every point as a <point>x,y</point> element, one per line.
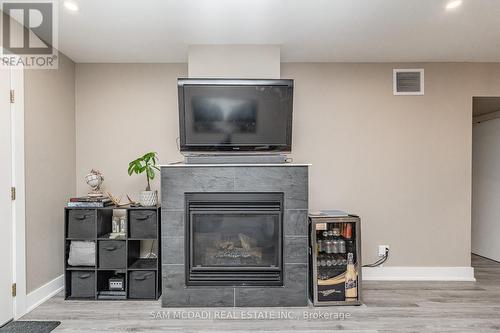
<point>18,181</point>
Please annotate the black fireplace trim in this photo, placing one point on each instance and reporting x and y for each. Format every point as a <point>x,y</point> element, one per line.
<point>264,276</point>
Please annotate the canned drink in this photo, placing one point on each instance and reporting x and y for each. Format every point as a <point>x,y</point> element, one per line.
<point>335,246</point>
<point>328,246</point>
<point>320,245</point>
<point>342,246</point>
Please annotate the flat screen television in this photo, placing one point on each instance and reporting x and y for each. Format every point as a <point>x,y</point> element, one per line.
<point>230,115</point>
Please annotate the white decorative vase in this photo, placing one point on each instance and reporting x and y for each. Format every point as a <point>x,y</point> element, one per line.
<point>149,198</point>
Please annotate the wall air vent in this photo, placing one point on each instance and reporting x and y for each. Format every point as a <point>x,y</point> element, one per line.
<point>408,81</point>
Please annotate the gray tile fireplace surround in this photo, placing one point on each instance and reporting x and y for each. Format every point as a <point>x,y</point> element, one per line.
<point>291,179</point>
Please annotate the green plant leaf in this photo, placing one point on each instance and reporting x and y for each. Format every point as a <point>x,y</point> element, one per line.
<point>148,156</point>
<point>133,166</point>
<point>145,163</point>
<point>150,173</point>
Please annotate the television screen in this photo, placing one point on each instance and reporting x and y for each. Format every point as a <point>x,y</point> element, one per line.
<point>235,115</point>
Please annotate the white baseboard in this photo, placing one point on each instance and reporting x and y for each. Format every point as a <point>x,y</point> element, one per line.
<point>42,294</point>
<point>401,273</point>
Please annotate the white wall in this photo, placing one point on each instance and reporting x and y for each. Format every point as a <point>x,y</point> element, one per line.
<point>486,189</point>
<point>124,111</point>
<point>402,162</point>
<point>234,61</point>
<point>49,106</point>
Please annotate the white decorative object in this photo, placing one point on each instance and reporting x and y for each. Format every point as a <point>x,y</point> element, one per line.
<point>149,198</point>
<point>94,179</point>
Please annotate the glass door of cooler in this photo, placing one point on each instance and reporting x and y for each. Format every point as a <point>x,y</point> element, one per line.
<point>335,260</point>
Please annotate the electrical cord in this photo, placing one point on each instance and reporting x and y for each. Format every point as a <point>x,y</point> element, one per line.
<point>380,261</point>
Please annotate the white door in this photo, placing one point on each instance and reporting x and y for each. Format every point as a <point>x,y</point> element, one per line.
<point>6,235</point>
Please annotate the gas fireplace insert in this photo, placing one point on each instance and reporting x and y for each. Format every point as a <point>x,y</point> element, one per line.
<point>234,239</point>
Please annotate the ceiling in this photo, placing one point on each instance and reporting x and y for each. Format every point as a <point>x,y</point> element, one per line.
<point>306,30</point>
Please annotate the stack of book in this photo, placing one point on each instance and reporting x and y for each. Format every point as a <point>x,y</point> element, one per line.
<point>89,202</point>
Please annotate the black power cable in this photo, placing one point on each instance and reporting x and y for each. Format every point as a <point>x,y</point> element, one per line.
<point>380,261</point>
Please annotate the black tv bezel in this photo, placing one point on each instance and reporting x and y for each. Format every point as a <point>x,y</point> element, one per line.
<point>182,82</point>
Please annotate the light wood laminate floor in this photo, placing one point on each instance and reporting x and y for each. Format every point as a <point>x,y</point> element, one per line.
<point>389,307</point>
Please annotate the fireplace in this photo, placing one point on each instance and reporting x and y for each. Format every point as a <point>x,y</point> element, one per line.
<point>234,239</point>
<point>234,235</point>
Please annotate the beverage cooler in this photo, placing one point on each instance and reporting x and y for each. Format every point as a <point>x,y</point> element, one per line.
<point>335,258</point>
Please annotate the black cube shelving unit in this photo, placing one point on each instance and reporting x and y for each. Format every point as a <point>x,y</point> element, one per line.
<point>113,257</point>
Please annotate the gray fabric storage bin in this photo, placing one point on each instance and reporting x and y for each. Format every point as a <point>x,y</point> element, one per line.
<point>82,284</point>
<point>81,223</point>
<point>142,284</point>
<point>81,253</point>
<point>143,224</point>
<point>112,254</point>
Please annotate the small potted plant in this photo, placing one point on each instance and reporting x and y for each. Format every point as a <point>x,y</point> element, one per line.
<point>146,164</point>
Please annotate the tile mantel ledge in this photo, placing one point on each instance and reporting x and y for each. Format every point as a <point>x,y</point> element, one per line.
<point>184,165</point>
